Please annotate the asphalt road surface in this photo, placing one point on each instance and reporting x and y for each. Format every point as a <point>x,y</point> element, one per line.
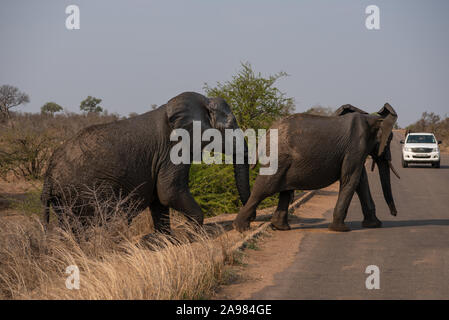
<point>411,250</point>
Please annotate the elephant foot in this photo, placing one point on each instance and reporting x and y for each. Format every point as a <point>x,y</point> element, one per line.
<point>241,226</point>
<point>252,217</point>
<point>340,227</point>
<point>151,241</point>
<point>372,223</point>
<point>280,226</point>
<point>156,241</point>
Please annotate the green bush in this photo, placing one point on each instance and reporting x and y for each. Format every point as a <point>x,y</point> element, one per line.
<point>256,102</point>
<point>213,187</point>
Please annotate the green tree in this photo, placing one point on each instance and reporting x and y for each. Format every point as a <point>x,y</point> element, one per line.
<point>91,104</point>
<point>320,111</point>
<point>51,108</point>
<point>255,101</point>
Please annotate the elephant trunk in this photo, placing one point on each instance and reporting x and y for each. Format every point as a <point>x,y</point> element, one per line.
<point>241,174</point>
<point>384,172</point>
<point>241,170</point>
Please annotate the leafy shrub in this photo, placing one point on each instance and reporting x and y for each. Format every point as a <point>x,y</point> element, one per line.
<point>255,101</point>
<point>213,187</point>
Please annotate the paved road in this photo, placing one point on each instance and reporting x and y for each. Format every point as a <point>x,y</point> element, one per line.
<point>411,250</point>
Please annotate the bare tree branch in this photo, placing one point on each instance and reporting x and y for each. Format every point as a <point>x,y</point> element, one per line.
<point>11,97</point>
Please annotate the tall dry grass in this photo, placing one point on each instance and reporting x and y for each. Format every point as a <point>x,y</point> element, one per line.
<point>113,261</point>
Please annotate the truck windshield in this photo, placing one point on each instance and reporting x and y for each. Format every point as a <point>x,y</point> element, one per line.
<point>421,139</point>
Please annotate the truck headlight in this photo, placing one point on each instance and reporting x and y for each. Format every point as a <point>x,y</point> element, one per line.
<point>435,150</point>
<point>407,149</point>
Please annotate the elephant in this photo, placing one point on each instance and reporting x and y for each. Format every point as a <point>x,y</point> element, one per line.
<point>316,151</point>
<point>132,157</point>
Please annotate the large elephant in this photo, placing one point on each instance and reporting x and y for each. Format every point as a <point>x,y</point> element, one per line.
<point>316,151</point>
<point>132,157</point>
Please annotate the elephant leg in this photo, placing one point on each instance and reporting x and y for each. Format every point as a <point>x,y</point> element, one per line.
<point>161,217</point>
<point>253,216</point>
<point>161,222</point>
<point>242,222</point>
<point>348,185</point>
<point>173,192</point>
<point>368,207</point>
<point>263,188</point>
<point>279,220</point>
<point>184,202</point>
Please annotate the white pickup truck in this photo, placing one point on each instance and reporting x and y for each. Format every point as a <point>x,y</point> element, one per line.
<point>420,148</point>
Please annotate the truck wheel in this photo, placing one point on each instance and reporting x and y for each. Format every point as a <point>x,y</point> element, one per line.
<point>404,164</point>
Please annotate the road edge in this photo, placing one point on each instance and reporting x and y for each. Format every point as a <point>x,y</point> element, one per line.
<point>296,204</point>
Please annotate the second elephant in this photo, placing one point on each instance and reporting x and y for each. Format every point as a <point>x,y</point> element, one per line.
<point>316,151</point>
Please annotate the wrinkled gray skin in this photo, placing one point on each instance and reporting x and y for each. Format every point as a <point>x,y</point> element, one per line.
<point>316,151</point>
<point>132,156</point>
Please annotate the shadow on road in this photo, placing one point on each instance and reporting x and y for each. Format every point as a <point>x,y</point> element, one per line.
<point>412,166</point>
<point>357,225</point>
<point>413,223</point>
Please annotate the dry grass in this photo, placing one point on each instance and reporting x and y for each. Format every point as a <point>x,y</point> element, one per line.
<point>113,262</point>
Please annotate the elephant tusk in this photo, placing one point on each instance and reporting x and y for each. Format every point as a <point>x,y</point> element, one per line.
<point>373,163</point>
<point>393,169</point>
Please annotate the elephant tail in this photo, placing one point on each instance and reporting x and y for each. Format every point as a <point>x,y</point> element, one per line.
<point>46,201</point>
<point>47,211</point>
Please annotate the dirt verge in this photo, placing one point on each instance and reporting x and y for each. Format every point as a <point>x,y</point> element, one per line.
<point>274,251</point>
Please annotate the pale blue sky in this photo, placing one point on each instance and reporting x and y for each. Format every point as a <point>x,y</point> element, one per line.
<point>136,53</point>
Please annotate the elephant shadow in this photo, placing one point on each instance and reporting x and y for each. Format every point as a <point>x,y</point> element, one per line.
<point>357,225</point>
<point>213,227</point>
<point>409,223</point>
<point>418,166</point>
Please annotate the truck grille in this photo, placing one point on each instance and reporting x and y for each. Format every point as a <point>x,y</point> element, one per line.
<point>421,156</point>
<point>422,150</point>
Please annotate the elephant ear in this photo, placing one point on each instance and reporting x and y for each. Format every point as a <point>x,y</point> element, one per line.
<point>178,115</point>
<point>389,117</point>
<point>347,108</point>
<point>219,112</point>
<point>187,107</point>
